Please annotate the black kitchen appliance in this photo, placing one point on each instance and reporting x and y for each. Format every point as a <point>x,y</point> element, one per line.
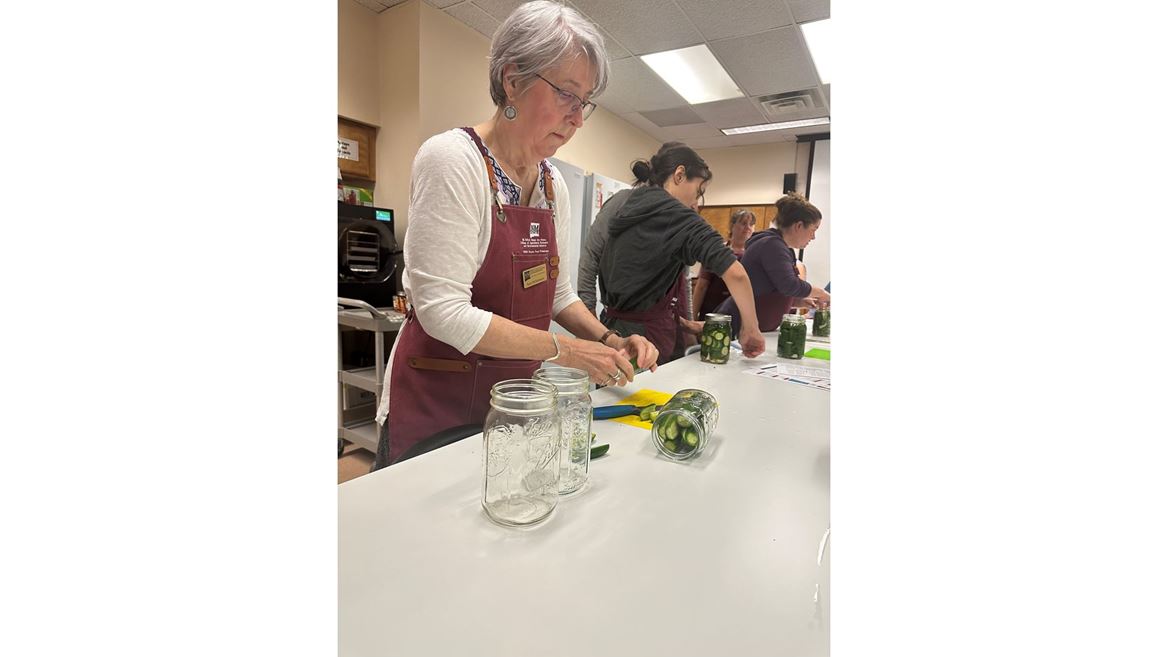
<point>367,270</point>
<point>367,254</point>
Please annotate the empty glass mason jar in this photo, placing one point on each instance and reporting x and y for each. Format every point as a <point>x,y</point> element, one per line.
<point>716,339</point>
<point>521,452</point>
<point>684,425</point>
<point>574,404</point>
<point>792,336</point>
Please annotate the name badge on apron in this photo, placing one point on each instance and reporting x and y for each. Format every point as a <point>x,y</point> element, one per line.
<point>534,276</point>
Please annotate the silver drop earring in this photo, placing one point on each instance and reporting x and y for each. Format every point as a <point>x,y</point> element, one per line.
<point>509,112</point>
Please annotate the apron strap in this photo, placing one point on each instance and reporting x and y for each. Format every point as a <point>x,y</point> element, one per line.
<point>548,190</point>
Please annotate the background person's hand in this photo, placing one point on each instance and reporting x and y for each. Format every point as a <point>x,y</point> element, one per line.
<point>689,326</point>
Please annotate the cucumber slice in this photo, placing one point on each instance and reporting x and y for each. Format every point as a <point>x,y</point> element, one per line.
<point>682,422</point>
<point>691,438</point>
<point>671,431</point>
<point>598,451</point>
<point>670,445</point>
<point>718,335</point>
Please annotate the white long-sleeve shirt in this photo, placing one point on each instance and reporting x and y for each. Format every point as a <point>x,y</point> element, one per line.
<point>450,221</point>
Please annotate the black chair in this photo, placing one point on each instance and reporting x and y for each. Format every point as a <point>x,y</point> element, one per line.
<point>440,439</point>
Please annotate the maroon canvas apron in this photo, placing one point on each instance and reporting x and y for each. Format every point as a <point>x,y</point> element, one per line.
<point>660,321</point>
<point>434,387</point>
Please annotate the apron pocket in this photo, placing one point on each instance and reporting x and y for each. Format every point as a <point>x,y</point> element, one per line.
<point>486,374</point>
<point>535,301</point>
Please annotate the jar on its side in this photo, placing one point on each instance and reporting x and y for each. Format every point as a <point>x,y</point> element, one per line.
<point>716,339</point>
<point>792,336</point>
<point>685,423</point>
<point>521,452</point>
<point>574,407</point>
<point>821,327</point>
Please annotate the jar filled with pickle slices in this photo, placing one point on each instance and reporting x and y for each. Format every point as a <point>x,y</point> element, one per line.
<point>821,326</point>
<point>792,336</point>
<point>685,424</point>
<point>716,339</point>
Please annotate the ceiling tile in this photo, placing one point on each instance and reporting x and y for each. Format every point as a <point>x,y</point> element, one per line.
<point>806,11</point>
<point>371,5</point>
<point>615,50</point>
<point>442,4</point>
<point>635,86</point>
<point>715,22</point>
<point>731,113</point>
<point>472,15</point>
<point>646,126</point>
<point>673,116</point>
<point>687,132</point>
<point>392,3</point>
<point>643,26</point>
<point>827,94</point>
<point>767,63</point>
<point>499,9</point>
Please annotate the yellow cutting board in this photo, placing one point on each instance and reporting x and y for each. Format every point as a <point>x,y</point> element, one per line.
<point>641,398</point>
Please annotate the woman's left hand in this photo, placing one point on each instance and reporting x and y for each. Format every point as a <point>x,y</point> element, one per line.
<point>690,327</point>
<point>641,349</point>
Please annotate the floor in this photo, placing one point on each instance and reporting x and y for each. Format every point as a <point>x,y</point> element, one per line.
<point>353,463</point>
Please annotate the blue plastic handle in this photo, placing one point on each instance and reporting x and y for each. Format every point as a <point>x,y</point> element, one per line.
<point>609,412</point>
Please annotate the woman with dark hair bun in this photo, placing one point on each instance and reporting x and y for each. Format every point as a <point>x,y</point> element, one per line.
<point>770,262</point>
<point>654,237</point>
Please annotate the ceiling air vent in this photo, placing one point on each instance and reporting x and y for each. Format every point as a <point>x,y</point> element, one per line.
<point>781,105</point>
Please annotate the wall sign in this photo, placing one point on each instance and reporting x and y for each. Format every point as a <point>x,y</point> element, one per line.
<point>347,149</point>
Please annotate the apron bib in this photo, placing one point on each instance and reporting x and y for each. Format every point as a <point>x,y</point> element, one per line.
<point>434,387</point>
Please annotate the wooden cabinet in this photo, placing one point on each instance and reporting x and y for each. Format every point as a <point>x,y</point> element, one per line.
<point>718,216</point>
<point>360,141</point>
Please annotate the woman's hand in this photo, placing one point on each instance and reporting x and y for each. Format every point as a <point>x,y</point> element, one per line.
<point>822,297</point>
<point>752,341</point>
<point>689,326</point>
<point>605,366</point>
<point>637,346</point>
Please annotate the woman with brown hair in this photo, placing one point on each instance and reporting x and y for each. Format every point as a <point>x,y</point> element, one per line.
<point>770,264</point>
<point>710,291</point>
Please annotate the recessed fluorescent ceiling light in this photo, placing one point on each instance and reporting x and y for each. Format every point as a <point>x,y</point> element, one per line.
<point>818,37</point>
<point>694,74</point>
<point>762,127</point>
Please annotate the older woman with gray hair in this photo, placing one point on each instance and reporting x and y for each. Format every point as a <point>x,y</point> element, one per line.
<point>488,219</point>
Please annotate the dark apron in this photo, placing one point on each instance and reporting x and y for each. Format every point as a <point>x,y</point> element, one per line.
<point>434,387</point>
<point>659,322</point>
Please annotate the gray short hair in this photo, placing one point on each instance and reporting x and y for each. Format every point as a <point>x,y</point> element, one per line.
<point>539,35</point>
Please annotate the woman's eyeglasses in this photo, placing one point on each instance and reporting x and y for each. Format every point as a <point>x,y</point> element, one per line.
<point>570,101</point>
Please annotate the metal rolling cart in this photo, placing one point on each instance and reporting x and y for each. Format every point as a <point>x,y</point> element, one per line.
<point>356,423</point>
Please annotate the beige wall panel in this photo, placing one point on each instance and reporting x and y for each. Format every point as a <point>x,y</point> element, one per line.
<point>358,78</point>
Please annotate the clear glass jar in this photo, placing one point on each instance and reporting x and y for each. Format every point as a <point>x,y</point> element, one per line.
<point>574,405</point>
<point>685,424</point>
<point>792,336</point>
<point>521,452</point>
<point>716,339</point>
<point>821,326</point>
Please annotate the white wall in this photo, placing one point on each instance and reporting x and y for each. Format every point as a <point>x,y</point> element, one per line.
<point>817,255</point>
<point>748,175</point>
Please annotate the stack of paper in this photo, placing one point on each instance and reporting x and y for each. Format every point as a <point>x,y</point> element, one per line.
<point>816,377</point>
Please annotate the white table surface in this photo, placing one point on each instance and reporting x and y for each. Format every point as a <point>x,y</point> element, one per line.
<point>712,557</point>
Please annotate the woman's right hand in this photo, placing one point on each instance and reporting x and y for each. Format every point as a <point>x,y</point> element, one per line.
<point>605,366</point>
<point>822,297</point>
<point>753,344</point>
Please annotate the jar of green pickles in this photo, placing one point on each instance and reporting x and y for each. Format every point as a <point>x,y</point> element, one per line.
<point>685,423</point>
<point>716,339</point>
<point>821,327</point>
<point>792,336</point>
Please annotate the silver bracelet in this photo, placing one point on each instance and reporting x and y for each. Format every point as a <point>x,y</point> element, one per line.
<point>557,343</point>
